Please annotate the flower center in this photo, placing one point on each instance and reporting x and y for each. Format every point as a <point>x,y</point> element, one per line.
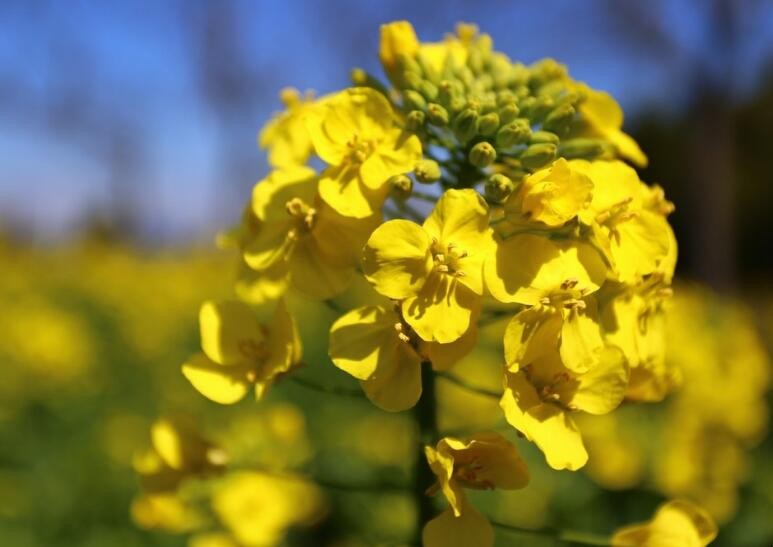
<point>447,258</point>
<point>359,149</point>
<point>467,473</point>
<point>304,215</point>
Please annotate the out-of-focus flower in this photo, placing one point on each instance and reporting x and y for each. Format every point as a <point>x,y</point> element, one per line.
<point>677,523</point>
<point>239,352</point>
<point>285,135</point>
<point>483,462</point>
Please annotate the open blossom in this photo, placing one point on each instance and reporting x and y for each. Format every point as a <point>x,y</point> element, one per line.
<point>435,269</point>
<point>239,353</point>
<point>378,347</point>
<point>285,136</point>
<point>356,133</point>
<point>482,462</point>
<point>677,523</point>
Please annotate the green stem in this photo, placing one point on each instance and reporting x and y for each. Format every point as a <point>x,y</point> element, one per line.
<point>334,390</point>
<point>566,536</point>
<point>425,414</point>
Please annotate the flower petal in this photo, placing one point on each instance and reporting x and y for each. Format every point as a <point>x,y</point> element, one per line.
<point>362,338</point>
<point>442,311</point>
<point>447,530</point>
<point>602,388</point>
<point>229,331</point>
<point>395,385</point>
<point>224,385</point>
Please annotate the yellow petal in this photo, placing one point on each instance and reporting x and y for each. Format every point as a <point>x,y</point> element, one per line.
<point>283,344</point>
<point>496,459</point>
<point>230,331</point>
<point>602,388</point>
<point>395,385</point>
<point>555,195</point>
<point>581,340</point>
<point>396,259</point>
<point>526,268</point>
<point>530,335</point>
<point>270,195</point>
<point>341,239</point>
<point>396,154</point>
<point>342,189</point>
<point>313,276</point>
<point>460,217</point>
<point>677,523</point>
<point>224,385</point>
<point>444,356</point>
<point>443,310</point>
<point>397,38</point>
<point>447,530</point>
<point>268,246</point>
<point>260,287</point>
<point>361,339</point>
<point>545,424</point>
<point>441,462</point>
<point>639,245</point>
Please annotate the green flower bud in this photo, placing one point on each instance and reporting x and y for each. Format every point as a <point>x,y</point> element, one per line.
<point>429,90</point>
<point>508,112</point>
<point>446,92</point>
<point>414,100</point>
<point>482,154</point>
<point>412,80</point>
<point>488,124</point>
<point>516,132</point>
<point>584,148</point>
<point>543,136</point>
<point>361,78</point>
<point>400,186</point>
<point>538,155</point>
<point>498,188</point>
<point>475,61</point>
<point>408,64</point>
<point>505,97</point>
<point>427,171</point>
<point>437,114</point>
<point>559,119</point>
<point>415,120</point>
<point>466,125</point>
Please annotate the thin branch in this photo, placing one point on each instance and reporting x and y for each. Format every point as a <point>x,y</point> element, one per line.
<point>475,389</point>
<point>568,536</point>
<point>331,390</point>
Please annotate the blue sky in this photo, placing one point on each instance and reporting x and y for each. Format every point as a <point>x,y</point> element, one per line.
<point>83,81</point>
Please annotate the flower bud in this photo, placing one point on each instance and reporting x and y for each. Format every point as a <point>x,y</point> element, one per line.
<point>360,78</point>
<point>508,112</point>
<point>466,125</point>
<point>482,154</point>
<point>406,63</point>
<point>543,136</point>
<point>429,90</point>
<point>415,120</point>
<point>412,80</point>
<point>400,186</point>
<point>559,118</point>
<point>516,132</point>
<point>538,155</point>
<point>437,114</point>
<point>414,100</point>
<point>498,188</point>
<point>488,124</point>
<point>583,148</point>
<point>427,171</point>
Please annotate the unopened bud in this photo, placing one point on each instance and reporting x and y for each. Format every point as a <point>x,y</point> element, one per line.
<point>414,100</point>
<point>498,188</point>
<point>360,78</point>
<point>543,136</point>
<point>559,118</point>
<point>482,154</point>
<point>466,125</point>
<point>406,63</point>
<point>584,148</point>
<point>427,171</point>
<point>508,112</point>
<point>437,114</point>
<point>516,132</point>
<point>429,90</point>
<point>488,124</point>
<point>412,80</point>
<point>538,155</point>
<point>415,120</point>
<point>400,186</point>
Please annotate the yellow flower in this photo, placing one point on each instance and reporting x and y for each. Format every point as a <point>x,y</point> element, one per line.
<point>604,118</point>
<point>166,511</point>
<point>628,227</point>
<point>285,136</point>
<point>297,239</point>
<point>259,508</point>
<point>356,133</point>
<point>540,396</point>
<point>240,352</point>
<point>677,523</point>
<point>397,38</point>
<point>484,461</point>
<point>528,269</point>
<point>435,268</point>
<point>378,347</point>
<point>553,195</point>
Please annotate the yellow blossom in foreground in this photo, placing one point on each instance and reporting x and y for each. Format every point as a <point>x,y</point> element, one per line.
<point>378,347</point>
<point>397,38</point>
<point>604,118</point>
<point>356,133</point>
<point>258,508</point>
<point>239,352</point>
<point>285,135</point>
<point>539,398</point>
<point>483,462</point>
<point>435,268</point>
<point>295,238</point>
<point>677,523</point>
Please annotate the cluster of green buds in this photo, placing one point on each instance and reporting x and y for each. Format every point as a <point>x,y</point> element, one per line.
<point>496,115</point>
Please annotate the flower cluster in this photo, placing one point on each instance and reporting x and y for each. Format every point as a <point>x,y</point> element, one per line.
<point>536,216</point>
